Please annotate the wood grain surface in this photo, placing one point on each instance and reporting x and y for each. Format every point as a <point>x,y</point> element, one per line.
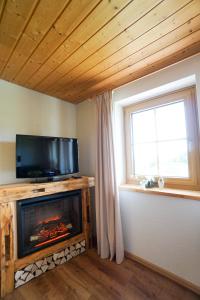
<point>88,277</point>
<point>79,48</point>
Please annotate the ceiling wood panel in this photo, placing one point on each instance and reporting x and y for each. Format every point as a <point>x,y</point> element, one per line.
<point>168,39</point>
<point>40,22</point>
<point>63,27</point>
<point>136,8</point>
<point>14,19</point>
<point>127,42</point>
<point>2,5</point>
<point>87,28</point>
<point>74,49</point>
<point>184,46</point>
<point>143,35</point>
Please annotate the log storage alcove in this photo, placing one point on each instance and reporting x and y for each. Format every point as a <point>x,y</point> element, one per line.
<point>10,263</point>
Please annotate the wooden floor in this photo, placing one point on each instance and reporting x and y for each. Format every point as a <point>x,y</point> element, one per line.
<point>88,277</point>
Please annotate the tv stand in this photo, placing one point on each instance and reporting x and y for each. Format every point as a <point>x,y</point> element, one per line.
<point>11,193</point>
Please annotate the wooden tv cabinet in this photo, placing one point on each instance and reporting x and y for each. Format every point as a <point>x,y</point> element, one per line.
<point>9,194</point>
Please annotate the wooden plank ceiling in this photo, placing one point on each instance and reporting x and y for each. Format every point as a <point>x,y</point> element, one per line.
<point>74,49</point>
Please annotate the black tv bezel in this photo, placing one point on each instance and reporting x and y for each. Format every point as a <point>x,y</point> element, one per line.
<point>50,178</point>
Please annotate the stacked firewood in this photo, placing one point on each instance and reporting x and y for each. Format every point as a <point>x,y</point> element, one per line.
<point>48,263</point>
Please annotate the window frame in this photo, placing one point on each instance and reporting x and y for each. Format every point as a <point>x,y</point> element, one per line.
<point>192,128</point>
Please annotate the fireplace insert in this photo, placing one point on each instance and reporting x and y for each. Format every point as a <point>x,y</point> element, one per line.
<point>46,220</point>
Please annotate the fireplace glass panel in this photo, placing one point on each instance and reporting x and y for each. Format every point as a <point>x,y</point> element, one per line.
<point>46,220</point>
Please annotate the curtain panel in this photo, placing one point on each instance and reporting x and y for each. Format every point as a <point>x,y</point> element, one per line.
<point>108,219</point>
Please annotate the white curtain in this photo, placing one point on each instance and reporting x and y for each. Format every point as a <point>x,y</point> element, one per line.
<point>108,219</point>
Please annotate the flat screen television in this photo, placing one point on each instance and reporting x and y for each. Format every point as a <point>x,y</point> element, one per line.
<point>41,156</point>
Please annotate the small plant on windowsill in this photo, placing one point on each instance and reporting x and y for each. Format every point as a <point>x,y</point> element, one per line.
<point>147,181</point>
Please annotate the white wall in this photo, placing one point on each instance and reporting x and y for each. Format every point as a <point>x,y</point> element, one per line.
<point>161,230</point>
<point>188,67</point>
<point>86,129</point>
<point>24,111</point>
<point>164,231</point>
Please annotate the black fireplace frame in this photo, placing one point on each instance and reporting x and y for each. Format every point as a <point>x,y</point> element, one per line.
<point>35,201</point>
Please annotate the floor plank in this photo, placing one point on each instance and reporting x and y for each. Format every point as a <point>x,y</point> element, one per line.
<point>87,277</point>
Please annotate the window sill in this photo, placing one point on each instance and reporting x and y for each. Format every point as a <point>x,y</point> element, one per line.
<point>186,194</point>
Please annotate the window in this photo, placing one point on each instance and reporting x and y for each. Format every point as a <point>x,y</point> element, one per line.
<point>162,140</point>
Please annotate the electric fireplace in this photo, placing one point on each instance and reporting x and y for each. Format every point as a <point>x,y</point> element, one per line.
<point>46,220</point>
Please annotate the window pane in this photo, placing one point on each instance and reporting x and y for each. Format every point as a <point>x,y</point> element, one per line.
<point>170,122</point>
<point>145,159</point>
<point>143,126</point>
<point>173,159</point>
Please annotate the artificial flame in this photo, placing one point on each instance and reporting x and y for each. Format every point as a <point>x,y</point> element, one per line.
<point>50,241</point>
<point>49,230</point>
<point>46,221</point>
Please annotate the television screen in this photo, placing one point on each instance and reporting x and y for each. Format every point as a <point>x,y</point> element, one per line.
<point>38,156</point>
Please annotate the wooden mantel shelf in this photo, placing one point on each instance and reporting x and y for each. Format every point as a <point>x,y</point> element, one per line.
<point>186,194</point>
<point>18,191</point>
